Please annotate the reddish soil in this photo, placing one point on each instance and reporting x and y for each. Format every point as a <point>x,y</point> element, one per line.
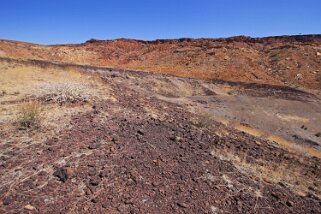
<point>284,60</point>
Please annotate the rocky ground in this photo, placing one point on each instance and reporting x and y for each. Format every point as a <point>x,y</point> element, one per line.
<point>142,146</point>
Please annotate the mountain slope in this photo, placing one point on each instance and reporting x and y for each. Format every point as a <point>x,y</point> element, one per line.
<point>289,60</point>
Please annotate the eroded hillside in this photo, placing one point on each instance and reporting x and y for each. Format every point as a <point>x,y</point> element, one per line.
<point>287,60</point>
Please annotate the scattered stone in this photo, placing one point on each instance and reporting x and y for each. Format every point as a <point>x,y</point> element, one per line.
<point>175,138</point>
<point>61,173</point>
<point>129,201</point>
<point>94,146</point>
<point>94,200</point>
<point>88,191</point>
<point>318,54</point>
<point>140,131</point>
<point>92,164</point>
<point>182,204</point>
<point>114,139</point>
<point>80,192</point>
<point>109,211</point>
<point>121,208</point>
<point>289,203</point>
<point>299,77</point>
<point>304,127</point>
<point>172,138</point>
<point>318,134</point>
<point>6,201</point>
<point>112,150</point>
<point>95,181</point>
<point>103,174</point>
<point>214,209</point>
<point>155,183</point>
<point>29,207</point>
<point>70,172</point>
<point>274,195</point>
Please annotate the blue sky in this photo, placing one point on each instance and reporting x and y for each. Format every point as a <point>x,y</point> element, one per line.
<point>75,21</point>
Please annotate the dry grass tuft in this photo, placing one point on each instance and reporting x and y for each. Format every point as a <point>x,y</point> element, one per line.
<point>29,115</point>
<point>205,119</point>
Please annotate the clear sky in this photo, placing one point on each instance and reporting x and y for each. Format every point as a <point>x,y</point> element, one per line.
<point>75,21</point>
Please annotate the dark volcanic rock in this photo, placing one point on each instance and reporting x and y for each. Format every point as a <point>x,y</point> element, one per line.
<point>6,201</point>
<point>140,131</point>
<point>62,174</point>
<point>94,146</point>
<point>95,181</point>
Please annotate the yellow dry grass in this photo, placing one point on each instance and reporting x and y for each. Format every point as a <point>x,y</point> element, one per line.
<point>21,83</point>
<point>291,175</point>
<point>29,115</point>
<point>289,118</point>
<point>205,119</point>
<point>296,177</point>
<point>290,146</point>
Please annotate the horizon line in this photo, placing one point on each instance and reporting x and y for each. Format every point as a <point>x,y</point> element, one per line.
<point>168,39</point>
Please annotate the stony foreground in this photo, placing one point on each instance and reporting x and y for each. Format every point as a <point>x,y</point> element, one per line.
<point>136,153</point>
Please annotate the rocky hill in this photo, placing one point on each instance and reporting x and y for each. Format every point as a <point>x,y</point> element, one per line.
<point>283,60</point>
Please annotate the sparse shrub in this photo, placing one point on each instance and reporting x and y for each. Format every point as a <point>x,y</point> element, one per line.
<point>29,115</point>
<point>205,119</point>
<point>61,93</point>
<point>92,40</point>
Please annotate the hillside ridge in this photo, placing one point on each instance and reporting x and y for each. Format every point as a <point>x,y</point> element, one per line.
<point>278,60</point>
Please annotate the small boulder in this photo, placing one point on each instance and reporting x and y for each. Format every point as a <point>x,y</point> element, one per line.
<point>182,204</point>
<point>140,131</point>
<point>94,200</point>
<point>62,174</point>
<point>299,77</point>
<point>172,138</point>
<point>6,201</point>
<point>29,207</point>
<point>94,146</point>
<point>289,203</point>
<point>70,172</point>
<point>95,181</point>
<point>274,195</point>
